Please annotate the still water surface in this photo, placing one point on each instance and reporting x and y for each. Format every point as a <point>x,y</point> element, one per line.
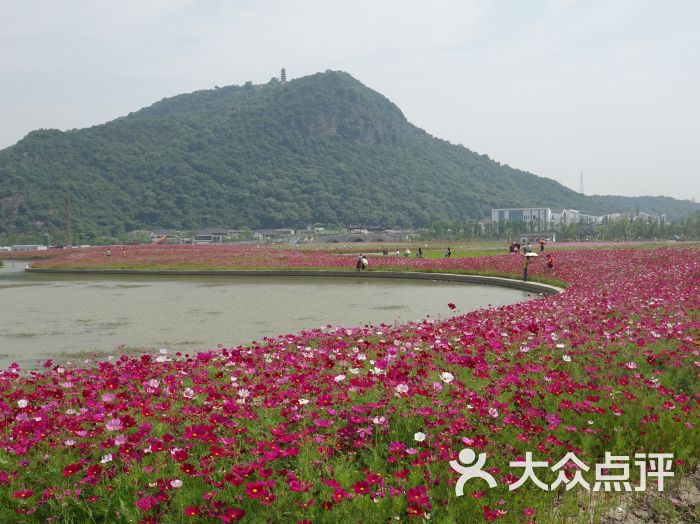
<point>70,316</point>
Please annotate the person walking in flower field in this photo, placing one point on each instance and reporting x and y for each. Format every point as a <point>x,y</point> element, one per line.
<point>525,268</point>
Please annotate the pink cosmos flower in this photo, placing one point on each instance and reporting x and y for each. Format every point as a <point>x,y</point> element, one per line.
<point>146,503</point>
<point>114,424</point>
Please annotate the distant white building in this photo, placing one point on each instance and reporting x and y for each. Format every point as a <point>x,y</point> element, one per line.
<point>541,217</point>
<point>29,247</point>
<point>590,219</point>
<point>565,217</point>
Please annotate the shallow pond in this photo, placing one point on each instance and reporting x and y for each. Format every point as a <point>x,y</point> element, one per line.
<point>70,316</point>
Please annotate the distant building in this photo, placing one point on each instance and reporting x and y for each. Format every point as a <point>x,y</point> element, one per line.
<point>658,219</point>
<point>540,217</point>
<point>283,75</point>
<point>590,219</point>
<point>565,217</point>
<point>533,238</point>
<point>29,247</point>
<point>212,235</point>
<point>168,236</point>
<point>269,235</point>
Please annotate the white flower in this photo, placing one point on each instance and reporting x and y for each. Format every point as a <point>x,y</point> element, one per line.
<point>176,483</point>
<point>566,358</point>
<point>401,388</point>
<point>560,346</point>
<point>339,378</point>
<point>631,365</point>
<point>22,403</point>
<point>244,393</point>
<point>354,371</point>
<point>419,437</point>
<point>446,377</point>
<point>163,351</point>
<point>188,393</point>
<point>106,458</point>
<point>69,442</point>
<point>493,412</point>
<point>379,420</point>
<point>303,401</point>
<point>154,383</point>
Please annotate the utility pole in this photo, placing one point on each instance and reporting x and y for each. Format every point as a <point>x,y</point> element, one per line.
<point>581,184</point>
<point>66,218</point>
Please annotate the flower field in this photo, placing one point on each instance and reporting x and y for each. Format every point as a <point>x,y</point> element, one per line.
<point>359,424</point>
<point>252,257</point>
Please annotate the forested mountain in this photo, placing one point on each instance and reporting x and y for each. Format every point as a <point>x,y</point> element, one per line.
<point>322,148</point>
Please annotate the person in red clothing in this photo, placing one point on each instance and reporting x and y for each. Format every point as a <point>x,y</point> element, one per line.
<point>550,261</point>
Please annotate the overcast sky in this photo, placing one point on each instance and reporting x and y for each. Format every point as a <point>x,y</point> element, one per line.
<point>609,88</point>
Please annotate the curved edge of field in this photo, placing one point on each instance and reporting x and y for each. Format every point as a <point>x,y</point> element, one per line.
<point>533,287</point>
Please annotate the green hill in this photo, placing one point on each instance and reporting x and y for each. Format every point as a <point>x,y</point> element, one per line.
<point>322,148</point>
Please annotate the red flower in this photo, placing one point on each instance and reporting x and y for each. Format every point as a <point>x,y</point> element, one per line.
<point>191,511</point>
<point>418,495</point>
<point>256,490</point>
<point>22,493</point>
<point>188,469</point>
<point>491,515</point>
<point>232,515</point>
<point>361,487</point>
<point>452,305</point>
<point>339,494</point>
<point>71,469</point>
<point>180,455</point>
<point>94,471</point>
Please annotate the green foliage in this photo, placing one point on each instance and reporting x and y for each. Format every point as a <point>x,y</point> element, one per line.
<point>322,148</point>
